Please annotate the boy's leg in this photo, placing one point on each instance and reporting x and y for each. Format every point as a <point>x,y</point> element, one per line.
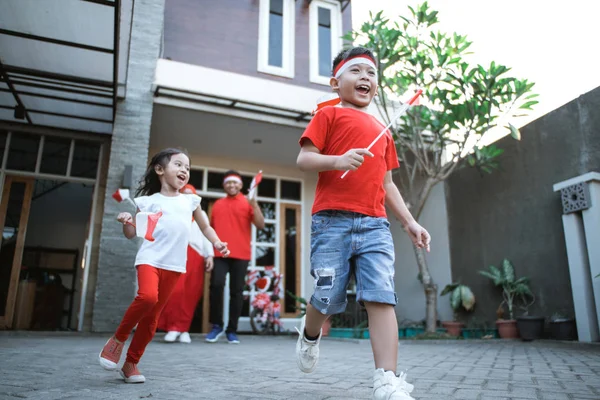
<point>147,325</point>
<point>383,330</point>
<point>314,322</point>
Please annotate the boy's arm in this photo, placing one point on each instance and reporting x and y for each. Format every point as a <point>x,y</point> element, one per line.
<point>311,159</point>
<point>393,199</point>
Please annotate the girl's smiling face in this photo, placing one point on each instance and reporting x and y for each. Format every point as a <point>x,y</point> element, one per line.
<point>176,174</point>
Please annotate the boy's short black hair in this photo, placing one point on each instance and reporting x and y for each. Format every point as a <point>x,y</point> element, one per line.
<point>232,172</point>
<point>352,52</point>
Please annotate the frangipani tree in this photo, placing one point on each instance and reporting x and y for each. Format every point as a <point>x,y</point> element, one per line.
<point>461,103</point>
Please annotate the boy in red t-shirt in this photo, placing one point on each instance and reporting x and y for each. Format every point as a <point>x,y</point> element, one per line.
<point>350,233</point>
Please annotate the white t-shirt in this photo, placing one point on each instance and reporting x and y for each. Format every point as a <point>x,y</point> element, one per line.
<point>172,233</point>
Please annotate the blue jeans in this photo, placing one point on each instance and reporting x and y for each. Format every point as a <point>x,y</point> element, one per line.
<point>345,244</point>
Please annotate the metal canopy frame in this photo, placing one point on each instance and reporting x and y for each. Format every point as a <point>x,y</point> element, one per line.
<point>73,92</point>
<point>226,102</point>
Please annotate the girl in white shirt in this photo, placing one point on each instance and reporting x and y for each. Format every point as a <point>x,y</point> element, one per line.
<point>160,262</point>
<point>176,318</point>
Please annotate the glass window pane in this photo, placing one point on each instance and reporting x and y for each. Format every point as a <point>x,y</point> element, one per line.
<point>55,155</point>
<point>267,188</point>
<point>291,267</point>
<point>23,152</point>
<point>3,136</point>
<point>325,56</point>
<point>266,235</point>
<point>291,190</point>
<point>276,33</point>
<point>246,181</point>
<point>265,256</point>
<point>86,156</point>
<point>215,181</point>
<point>268,210</point>
<point>196,178</point>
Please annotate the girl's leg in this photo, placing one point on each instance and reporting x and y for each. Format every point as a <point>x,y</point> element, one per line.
<point>383,329</point>
<point>146,299</point>
<point>147,325</point>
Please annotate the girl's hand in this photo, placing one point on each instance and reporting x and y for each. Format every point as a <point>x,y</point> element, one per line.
<point>209,264</point>
<point>222,247</point>
<point>125,218</point>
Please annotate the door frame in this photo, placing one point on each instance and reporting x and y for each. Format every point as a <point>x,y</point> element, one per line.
<point>282,254</point>
<point>7,318</point>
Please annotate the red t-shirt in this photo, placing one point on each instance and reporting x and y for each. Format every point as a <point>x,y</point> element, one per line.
<point>334,131</point>
<point>231,218</point>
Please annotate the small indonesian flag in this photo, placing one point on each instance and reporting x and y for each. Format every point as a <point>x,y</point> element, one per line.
<point>328,100</point>
<point>254,185</point>
<point>121,195</point>
<point>145,223</point>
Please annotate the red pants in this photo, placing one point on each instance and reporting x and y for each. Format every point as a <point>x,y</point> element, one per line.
<point>179,312</point>
<point>155,287</point>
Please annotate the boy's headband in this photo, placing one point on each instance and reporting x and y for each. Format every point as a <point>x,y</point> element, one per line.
<point>332,99</point>
<point>344,65</point>
<point>235,178</point>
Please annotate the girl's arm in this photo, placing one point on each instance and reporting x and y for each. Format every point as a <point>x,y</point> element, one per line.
<point>393,199</point>
<point>127,220</point>
<point>209,232</point>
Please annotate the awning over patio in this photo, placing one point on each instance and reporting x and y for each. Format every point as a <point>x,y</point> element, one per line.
<point>60,64</point>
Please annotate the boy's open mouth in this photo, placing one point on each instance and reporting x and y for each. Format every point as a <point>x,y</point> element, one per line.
<point>363,89</point>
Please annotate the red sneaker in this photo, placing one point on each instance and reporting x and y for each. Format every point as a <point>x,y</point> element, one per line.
<point>131,373</point>
<point>110,354</point>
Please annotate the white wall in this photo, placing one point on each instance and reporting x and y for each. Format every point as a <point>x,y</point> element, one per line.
<point>411,297</point>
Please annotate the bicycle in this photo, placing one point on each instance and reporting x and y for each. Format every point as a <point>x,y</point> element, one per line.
<point>266,309</point>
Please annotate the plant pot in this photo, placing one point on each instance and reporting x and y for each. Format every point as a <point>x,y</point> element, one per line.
<point>507,328</point>
<point>563,329</point>
<point>531,327</point>
<point>453,328</point>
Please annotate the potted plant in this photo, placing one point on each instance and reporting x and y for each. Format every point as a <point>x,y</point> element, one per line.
<point>512,290</point>
<point>461,296</point>
<point>302,308</point>
<point>530,327</point>
<point>562,327</point>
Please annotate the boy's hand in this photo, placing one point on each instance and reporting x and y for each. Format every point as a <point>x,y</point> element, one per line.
<point>419,236</point>
<point>222,247</point>
<point>125,218</point>
<point>351,160</point>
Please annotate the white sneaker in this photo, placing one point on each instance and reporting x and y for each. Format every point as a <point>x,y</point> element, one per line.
<point>171,336</point>
<point>185,338</point>
<point>307,352</point>
<point>387,386</point>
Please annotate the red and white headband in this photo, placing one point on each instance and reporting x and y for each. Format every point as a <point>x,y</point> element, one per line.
<point>344,65</point>
<point>234,178</point>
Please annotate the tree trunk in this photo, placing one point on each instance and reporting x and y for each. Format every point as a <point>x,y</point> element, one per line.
<point>431,290</point>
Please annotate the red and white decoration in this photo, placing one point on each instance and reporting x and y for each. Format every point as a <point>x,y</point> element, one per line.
<point>145,223</point>
<point>122,195</point>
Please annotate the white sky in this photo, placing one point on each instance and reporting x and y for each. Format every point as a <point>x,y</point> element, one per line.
<point>555,44</point>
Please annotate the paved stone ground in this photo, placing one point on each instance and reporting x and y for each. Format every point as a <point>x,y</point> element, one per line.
<point>64,366</point>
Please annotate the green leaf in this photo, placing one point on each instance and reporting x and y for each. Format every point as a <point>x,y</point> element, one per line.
<point>514,132</point>
<point>449,288</point>
<point>527,106</point>
<point>468,298</point>
<point>509,271</point>
<point>455,299</point>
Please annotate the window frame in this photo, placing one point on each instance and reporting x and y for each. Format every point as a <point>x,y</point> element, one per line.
<point>287,69</point>
<point>336,32</point>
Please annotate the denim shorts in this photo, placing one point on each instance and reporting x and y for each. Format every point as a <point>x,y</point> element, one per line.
<point>345,244</point>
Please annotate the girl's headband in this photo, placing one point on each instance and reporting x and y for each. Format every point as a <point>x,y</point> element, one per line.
<point>235,178</point>
<point>344,65</point>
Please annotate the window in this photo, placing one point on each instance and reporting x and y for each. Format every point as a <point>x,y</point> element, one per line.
<point>325,38</point>
<point>276,37</point>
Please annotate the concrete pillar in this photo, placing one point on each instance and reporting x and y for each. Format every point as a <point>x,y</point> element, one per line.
<point>581,222</point>
<point>116,282</point>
